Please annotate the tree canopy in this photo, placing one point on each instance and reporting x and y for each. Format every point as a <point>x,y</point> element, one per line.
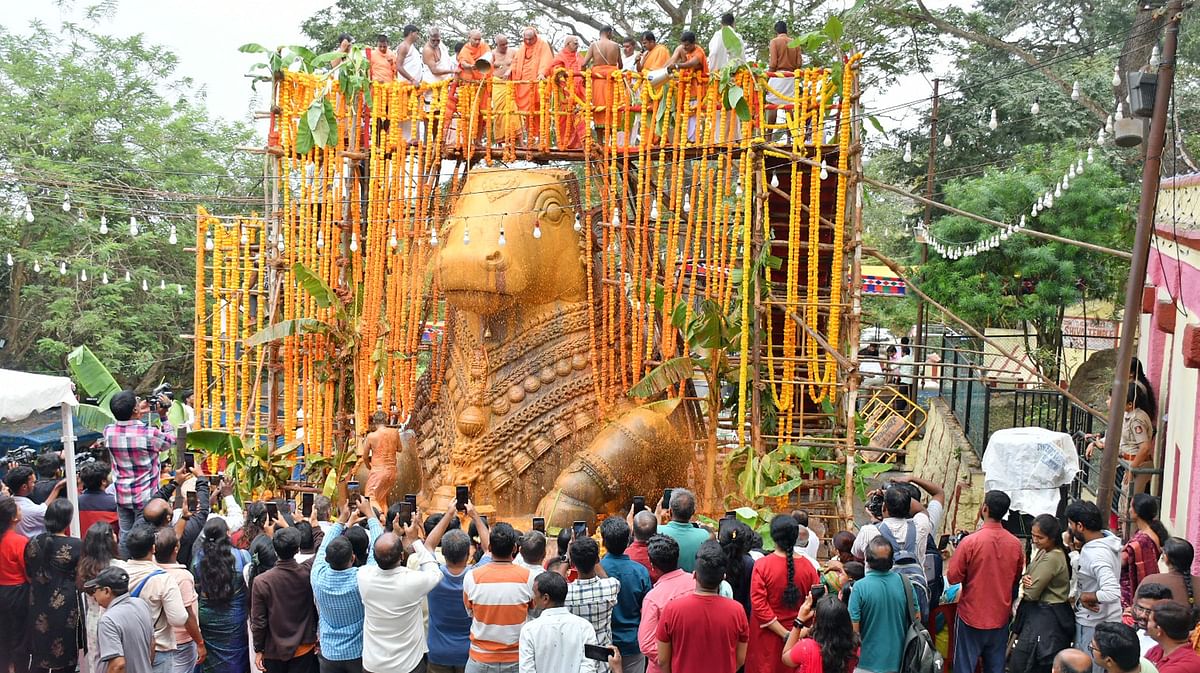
<point>99,124</point>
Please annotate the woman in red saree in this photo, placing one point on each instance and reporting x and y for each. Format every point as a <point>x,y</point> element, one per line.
<point>1139,556</point>
<point>568,90</point>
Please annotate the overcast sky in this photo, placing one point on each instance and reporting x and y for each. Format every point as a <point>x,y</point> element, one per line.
<point>205,36</point>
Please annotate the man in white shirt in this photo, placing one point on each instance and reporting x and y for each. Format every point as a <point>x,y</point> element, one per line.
<point>20,481</point>
<point>533,552</point>
<point>899,507</point>
<point>554,642</point>
<point>719,53</point>
<point>393,595</point>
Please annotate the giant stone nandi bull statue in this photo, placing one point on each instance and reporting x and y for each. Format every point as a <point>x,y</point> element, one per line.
<point>515,416</point>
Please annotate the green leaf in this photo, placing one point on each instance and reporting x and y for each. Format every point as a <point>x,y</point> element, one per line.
<point>331,121</point>
<point>253,48</point>
<point>834,28</point>
<point>868,470</point>
<point>780,490</point>
<point>733,43</point>
<point>664,376</point>
<point>215,442</point>
<point>320,131</point>
<point>304,139</point>
<point>284,329</point>
<point>327,57</point>
<point>92,375</point>
<point>94,418</point>
<point>176,415</point>
<point>679,314</point>
<point>316,287</point>
<point>314,115</point>
<point>742,108</point>
<point>746,514</point>
<point>878,126</point>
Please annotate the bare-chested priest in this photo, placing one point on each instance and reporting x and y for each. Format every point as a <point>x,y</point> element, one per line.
<point>379,457</point>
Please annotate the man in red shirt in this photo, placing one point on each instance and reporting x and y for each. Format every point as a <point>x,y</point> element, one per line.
<point>1169,625</point>
<point>644,525</point>
<point>703,632</point>
<point>988,563</point>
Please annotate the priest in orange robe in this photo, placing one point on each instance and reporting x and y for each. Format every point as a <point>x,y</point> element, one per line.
<point>566,73</point>
<point>472,88</point>
<point>532,59</point>
<point>655,57</point>
<point>691,63</point>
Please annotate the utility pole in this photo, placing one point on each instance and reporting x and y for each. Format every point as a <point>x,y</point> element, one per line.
<point>918,344</point>
<point>1141,249</point>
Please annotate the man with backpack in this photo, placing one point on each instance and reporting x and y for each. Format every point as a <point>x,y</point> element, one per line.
<point>907,533</point>
<point>988,563</point>
<point>159,590</point>
<point>882,608</point>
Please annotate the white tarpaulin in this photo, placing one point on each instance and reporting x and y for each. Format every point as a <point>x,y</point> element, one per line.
<point>1030,464</point>
<point>23,394</point>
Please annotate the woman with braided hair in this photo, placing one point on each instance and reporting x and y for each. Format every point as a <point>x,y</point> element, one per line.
<point>1179,555</point>
<point>1139,556</point>
<point>777,587</point>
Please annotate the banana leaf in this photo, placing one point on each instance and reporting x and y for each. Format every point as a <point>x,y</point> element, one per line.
<point>93,376</point>
<point>664,376</point>
<point>284,329</point>
<point>316,287</point>
<point>93,417</point>
<point>176,415</point>
<point>215,442</point>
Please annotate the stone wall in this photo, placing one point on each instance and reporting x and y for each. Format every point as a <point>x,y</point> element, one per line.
<point>945,457</point>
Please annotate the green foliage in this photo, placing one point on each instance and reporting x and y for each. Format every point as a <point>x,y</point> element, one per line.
<point>107,118</point>
<point>252,466</point>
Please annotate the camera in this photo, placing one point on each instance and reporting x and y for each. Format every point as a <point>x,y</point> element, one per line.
<point>163,396</point>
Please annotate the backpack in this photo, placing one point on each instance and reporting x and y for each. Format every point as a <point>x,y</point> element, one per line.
<point>919,655</point>
<point>906,563</point>
<point>933,573</point>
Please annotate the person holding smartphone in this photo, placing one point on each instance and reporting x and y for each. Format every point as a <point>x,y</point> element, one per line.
<point>822,639</point>
<point>135,448</point>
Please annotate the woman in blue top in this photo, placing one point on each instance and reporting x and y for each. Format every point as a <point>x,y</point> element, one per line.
<point>222,600</point>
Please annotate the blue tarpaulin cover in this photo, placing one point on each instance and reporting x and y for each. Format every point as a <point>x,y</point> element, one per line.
<point>41,430</point>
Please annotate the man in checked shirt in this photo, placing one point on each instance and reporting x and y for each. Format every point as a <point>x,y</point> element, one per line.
<point>594,594</point>
<point>135,447</point>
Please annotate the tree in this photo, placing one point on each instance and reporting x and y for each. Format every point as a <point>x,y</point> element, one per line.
<point>98,121</point>
<point>1027,279</point>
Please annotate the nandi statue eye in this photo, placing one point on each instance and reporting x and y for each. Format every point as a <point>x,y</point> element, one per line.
<point>550,208</point>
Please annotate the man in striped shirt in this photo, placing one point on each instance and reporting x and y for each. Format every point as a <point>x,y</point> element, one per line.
<point>497,596</point>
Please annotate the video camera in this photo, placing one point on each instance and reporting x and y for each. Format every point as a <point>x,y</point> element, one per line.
<point>162,397</point>
<point>874,503</point>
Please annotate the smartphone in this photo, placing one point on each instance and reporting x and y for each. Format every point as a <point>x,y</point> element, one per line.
<point>189,460</point>
<point>306,504</point>
<point>272,510</point>
<point>666,504</point>
<point>406,512</point>
<point>943,542</point>
<point>639,503</point>
<point>580,528</point>
<point>461,495</point>
<point>411,498</point>
<point>352,494</point>
<point>597,652</point>
<point>193,501</point>
<point>483,518</point>
<point>539,524</point>
<point>724,524</point>
<point>817,591</point>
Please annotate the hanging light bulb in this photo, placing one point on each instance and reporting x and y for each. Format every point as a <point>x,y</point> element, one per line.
<point>775,180</point>
<point>947,142</point>
<point>67,202</point>
<point>502,240</point>
<point>1108,124</point>
<point>162,284</point>
<point>392,241</point>
<point>178,289</point>
<point>133,226</point>
<point>1155,58</point>
<point>127,278</point>
<point>320,240</point>
<point>433,239</point>
<point>466,235</point>
<point>1049,201</point>
<point>37,267</point>
<point>824,170</point>
<point>174,237</point>
<point>8,258</point>
<point>83,275</point>
<point>537,230</point>
<point>578,226</point>
<point>1079,166</point>
<point>1066,181</point>
<point>1033,211</point>
<point>1091,157</point>
<point>908,152</point>
<point>145,286</point>
<point>28,213</point>
<point>246,238</point>
<point>353,241</point>
<point>208,242</point>
<point>1100,137</point>
<point>1071,170</point>
<point>1057,191</point>
<point>104,278</point>
<point>103,225</point>
<point>62,268</point>
<point>281,247</point>
<point>1118,114</point>
<point>1116,80</point>
<point>1075,91</point>
<point>1021,225</point>
<point>1036,107</point>
<point>993,124</point>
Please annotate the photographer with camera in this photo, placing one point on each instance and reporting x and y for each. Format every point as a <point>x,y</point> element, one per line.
<point>135,448</point>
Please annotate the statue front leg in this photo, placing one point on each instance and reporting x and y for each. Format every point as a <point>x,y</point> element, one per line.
<point>636,454</point>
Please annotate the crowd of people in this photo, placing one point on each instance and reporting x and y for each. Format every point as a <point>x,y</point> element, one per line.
<point>174,575</point>
<point>514,99</point>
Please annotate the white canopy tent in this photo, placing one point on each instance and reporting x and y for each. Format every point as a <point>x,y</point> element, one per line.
<point>23,394</point>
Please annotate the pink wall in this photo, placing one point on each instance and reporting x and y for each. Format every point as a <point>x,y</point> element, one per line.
<point>1166,273</point>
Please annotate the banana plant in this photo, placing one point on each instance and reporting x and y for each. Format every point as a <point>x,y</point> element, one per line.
<point>254,468</point>
<point>98,382</point>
